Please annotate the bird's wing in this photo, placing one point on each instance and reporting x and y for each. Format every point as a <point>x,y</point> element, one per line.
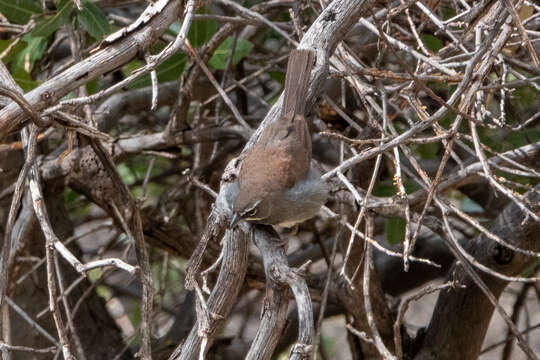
<point>290,147</point>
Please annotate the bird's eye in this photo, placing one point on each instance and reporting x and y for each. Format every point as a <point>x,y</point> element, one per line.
<point>251,213</point>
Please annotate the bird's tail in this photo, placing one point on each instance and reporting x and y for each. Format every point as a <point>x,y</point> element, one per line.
<point>299,68</point>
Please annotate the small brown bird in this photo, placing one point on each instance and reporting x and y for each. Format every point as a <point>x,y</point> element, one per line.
<point>277,184</point>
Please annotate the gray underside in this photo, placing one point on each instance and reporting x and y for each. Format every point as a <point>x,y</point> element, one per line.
<point>302,202</point>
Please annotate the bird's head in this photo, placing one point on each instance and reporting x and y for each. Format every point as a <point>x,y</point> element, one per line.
<point>249,209</point>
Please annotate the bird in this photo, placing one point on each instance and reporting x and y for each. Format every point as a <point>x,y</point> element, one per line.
<point>277,184</point>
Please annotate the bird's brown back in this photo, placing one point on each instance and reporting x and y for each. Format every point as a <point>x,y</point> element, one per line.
<point>282,155</point>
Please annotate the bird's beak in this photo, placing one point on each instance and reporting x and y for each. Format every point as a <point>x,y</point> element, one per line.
<point>235,219</point>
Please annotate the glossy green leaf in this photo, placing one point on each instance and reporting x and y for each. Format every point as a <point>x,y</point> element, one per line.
<point>33,51</point>
<point>93,20</point>
<point>222,53</point>
<point>395,230</point>
<point>19,11</point>
<point>54,22</point>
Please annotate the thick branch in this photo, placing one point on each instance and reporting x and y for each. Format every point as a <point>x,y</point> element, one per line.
<point>468,308</point>
<point>111,57</point>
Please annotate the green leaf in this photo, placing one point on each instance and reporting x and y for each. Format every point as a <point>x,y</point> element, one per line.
<point>448,12</point>
<point>27,57</point>
<point>278,76</point>
<point>104,291</point>
<point>385,189</point>
<point>14,50</point>
<point>95,274</point>
<point>219,59</point>
<point>528,96</point>
<point>92,86</point>
<point>19,11</point>
<point>531,269</point>
<point>93,20</point>
<point>432,43</point>
<point>517,139</point>
<point>24,80</point>
<point>126,174</point>
<point>395,230</point>
<point>170,70</point>
<point>131,67</point>
<point>450,116</point>
<point>69,196</point>
<point>429,150</point>
<point>411,186</point>
<point>54,22</point>
<point>201,31</point>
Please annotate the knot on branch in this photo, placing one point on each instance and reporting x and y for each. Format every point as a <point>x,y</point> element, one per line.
<point>207,320</point>
<point>284,275</point>
<point>502,255</point>
<point>330,16</point>
<point>301,351</point>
